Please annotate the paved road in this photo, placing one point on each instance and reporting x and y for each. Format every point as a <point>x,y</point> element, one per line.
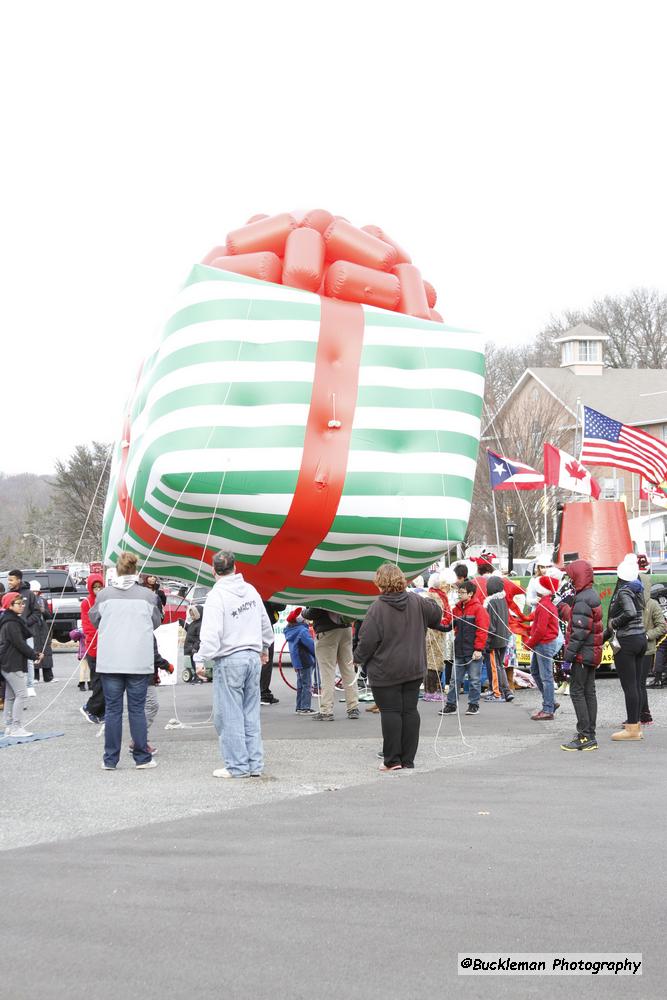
<point>331,880</point>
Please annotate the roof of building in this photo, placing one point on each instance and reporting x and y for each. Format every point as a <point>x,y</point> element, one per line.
<point>582,331</point>
<point>636,396</point>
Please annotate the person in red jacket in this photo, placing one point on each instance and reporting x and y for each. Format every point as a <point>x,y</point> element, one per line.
<point>544,641</point>
<point>93,710</point>
<point>471,628</point>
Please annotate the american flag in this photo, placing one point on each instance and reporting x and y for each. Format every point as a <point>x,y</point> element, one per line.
<point>608,442</point>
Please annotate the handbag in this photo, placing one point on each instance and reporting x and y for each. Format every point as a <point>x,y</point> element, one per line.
<point>614,643</point>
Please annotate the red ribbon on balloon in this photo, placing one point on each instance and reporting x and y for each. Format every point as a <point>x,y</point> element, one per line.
<point>324,253</point>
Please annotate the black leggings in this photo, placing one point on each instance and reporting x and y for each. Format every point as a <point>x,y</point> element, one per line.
<point>400,721</point>
<point>628,662</point>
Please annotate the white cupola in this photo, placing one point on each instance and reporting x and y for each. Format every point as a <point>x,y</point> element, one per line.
<point>582,350</point>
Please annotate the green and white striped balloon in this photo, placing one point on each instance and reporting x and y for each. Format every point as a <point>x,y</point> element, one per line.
<point>223,428</point>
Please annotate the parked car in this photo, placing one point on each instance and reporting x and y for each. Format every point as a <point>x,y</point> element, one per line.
<point>176,608</point>
<point>62,595</point>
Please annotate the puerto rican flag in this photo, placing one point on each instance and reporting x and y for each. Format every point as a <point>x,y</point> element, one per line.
<point>511,475</point>
<point>561,469</point>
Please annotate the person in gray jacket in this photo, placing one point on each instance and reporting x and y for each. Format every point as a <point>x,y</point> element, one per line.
<point>125,614</point>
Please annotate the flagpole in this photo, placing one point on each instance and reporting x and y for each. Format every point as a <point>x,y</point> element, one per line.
<point>495,518</point>
<point>650,544</point>
<point>545,517</point>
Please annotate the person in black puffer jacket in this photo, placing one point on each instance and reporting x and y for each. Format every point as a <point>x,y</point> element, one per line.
<point>626,620</point>
<point>583,650</point>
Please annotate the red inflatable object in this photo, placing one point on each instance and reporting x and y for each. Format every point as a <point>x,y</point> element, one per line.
<point>355,283</point>
<point>265,266</point>
<point>598,531</point>
<point>402,257</point>
<point>412,299</point>
<point>265,234</point>
<point>303,266</point>
<point>327,255</point>
<point>431,294</point>
<point>212,254</point>
<point>318,219</point>
<point>345,242</point>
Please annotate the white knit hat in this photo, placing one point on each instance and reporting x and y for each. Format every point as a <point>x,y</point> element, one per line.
<point>434,581</point>
<point>628,570</point>
<point>35,586</point>
<point>447,576</point>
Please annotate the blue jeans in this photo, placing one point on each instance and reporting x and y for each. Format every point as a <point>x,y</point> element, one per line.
<point>115,686</point>
<point>236,712</point>
<point>473,668</point>
<point>542,669</point>
<point>304,688</point>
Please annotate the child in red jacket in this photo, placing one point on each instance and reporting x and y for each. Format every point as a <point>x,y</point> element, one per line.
<point>545,640</point>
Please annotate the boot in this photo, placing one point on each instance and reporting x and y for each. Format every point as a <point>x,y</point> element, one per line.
<point>82,686</point>
<point>630,731</point>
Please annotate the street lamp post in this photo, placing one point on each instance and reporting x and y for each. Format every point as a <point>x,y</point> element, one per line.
<point>31,534</point>
<point>511,528</point>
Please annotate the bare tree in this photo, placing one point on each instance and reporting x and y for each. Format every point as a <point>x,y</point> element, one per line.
<point>519,435</point>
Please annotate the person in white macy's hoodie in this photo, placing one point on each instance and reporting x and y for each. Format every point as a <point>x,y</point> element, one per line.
<point>236,634</point>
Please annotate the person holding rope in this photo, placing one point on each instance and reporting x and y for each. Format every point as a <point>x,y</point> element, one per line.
<point>15,654</point>
<point>125,614</point>
<point>236,634</point>
<point>16,584</point>
<point>471,630</point>
<point>93,710</point>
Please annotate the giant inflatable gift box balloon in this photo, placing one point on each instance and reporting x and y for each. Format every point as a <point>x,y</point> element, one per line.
<point>307,408</point>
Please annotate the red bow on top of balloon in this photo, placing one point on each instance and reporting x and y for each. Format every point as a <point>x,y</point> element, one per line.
<point>326,254</point>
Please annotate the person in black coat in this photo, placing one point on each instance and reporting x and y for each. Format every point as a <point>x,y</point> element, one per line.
<point>14,656</point>
<point>392,646</point>
<point>625,621</point>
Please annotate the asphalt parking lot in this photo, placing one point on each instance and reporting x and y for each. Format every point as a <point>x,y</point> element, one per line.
<point>329,879</point>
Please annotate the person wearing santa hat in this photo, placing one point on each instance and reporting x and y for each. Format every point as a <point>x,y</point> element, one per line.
<point>544,641</point>
<point>302,655</point>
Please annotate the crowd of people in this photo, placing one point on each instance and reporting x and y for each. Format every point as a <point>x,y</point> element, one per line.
<point>454,635</point>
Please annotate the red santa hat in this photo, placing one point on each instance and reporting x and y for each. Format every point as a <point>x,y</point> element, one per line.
<point>293,615</point>
<point>547,585</point>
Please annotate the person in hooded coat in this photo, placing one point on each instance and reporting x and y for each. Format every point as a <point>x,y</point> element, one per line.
<point>498,639</point>
<point>625,622</point>
<point>583,650</point>
<point>392,645</point>
<point>302,655</point>
<point>93,710</point>
<point>41,633</point>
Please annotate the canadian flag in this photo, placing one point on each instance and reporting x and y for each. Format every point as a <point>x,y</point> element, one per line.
<point>561,469</point>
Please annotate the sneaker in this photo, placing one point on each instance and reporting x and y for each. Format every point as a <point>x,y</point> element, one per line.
<point>20,731</point>
<point>305,711</point>
<point>472,710</point>
<point>353,713</point>
<point>447,710</point>
<point>580,743</point>
<point>222,772</point>
<point>144,767</point>
<point>541,716</point>
<point>88,716</point>
<point>392,767</point>
<point>108,767</point>
<point>31,693</point>
<point>380,754</point>
<point>81,686</point>
<point>268,699</point>
<point>509,697</point>
<point>556,706</point>
<point>323,717</point>
<point>492,697</point>
<point>151,750</point>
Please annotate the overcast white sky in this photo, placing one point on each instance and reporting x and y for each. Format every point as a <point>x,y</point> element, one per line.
<point>516,149</point>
